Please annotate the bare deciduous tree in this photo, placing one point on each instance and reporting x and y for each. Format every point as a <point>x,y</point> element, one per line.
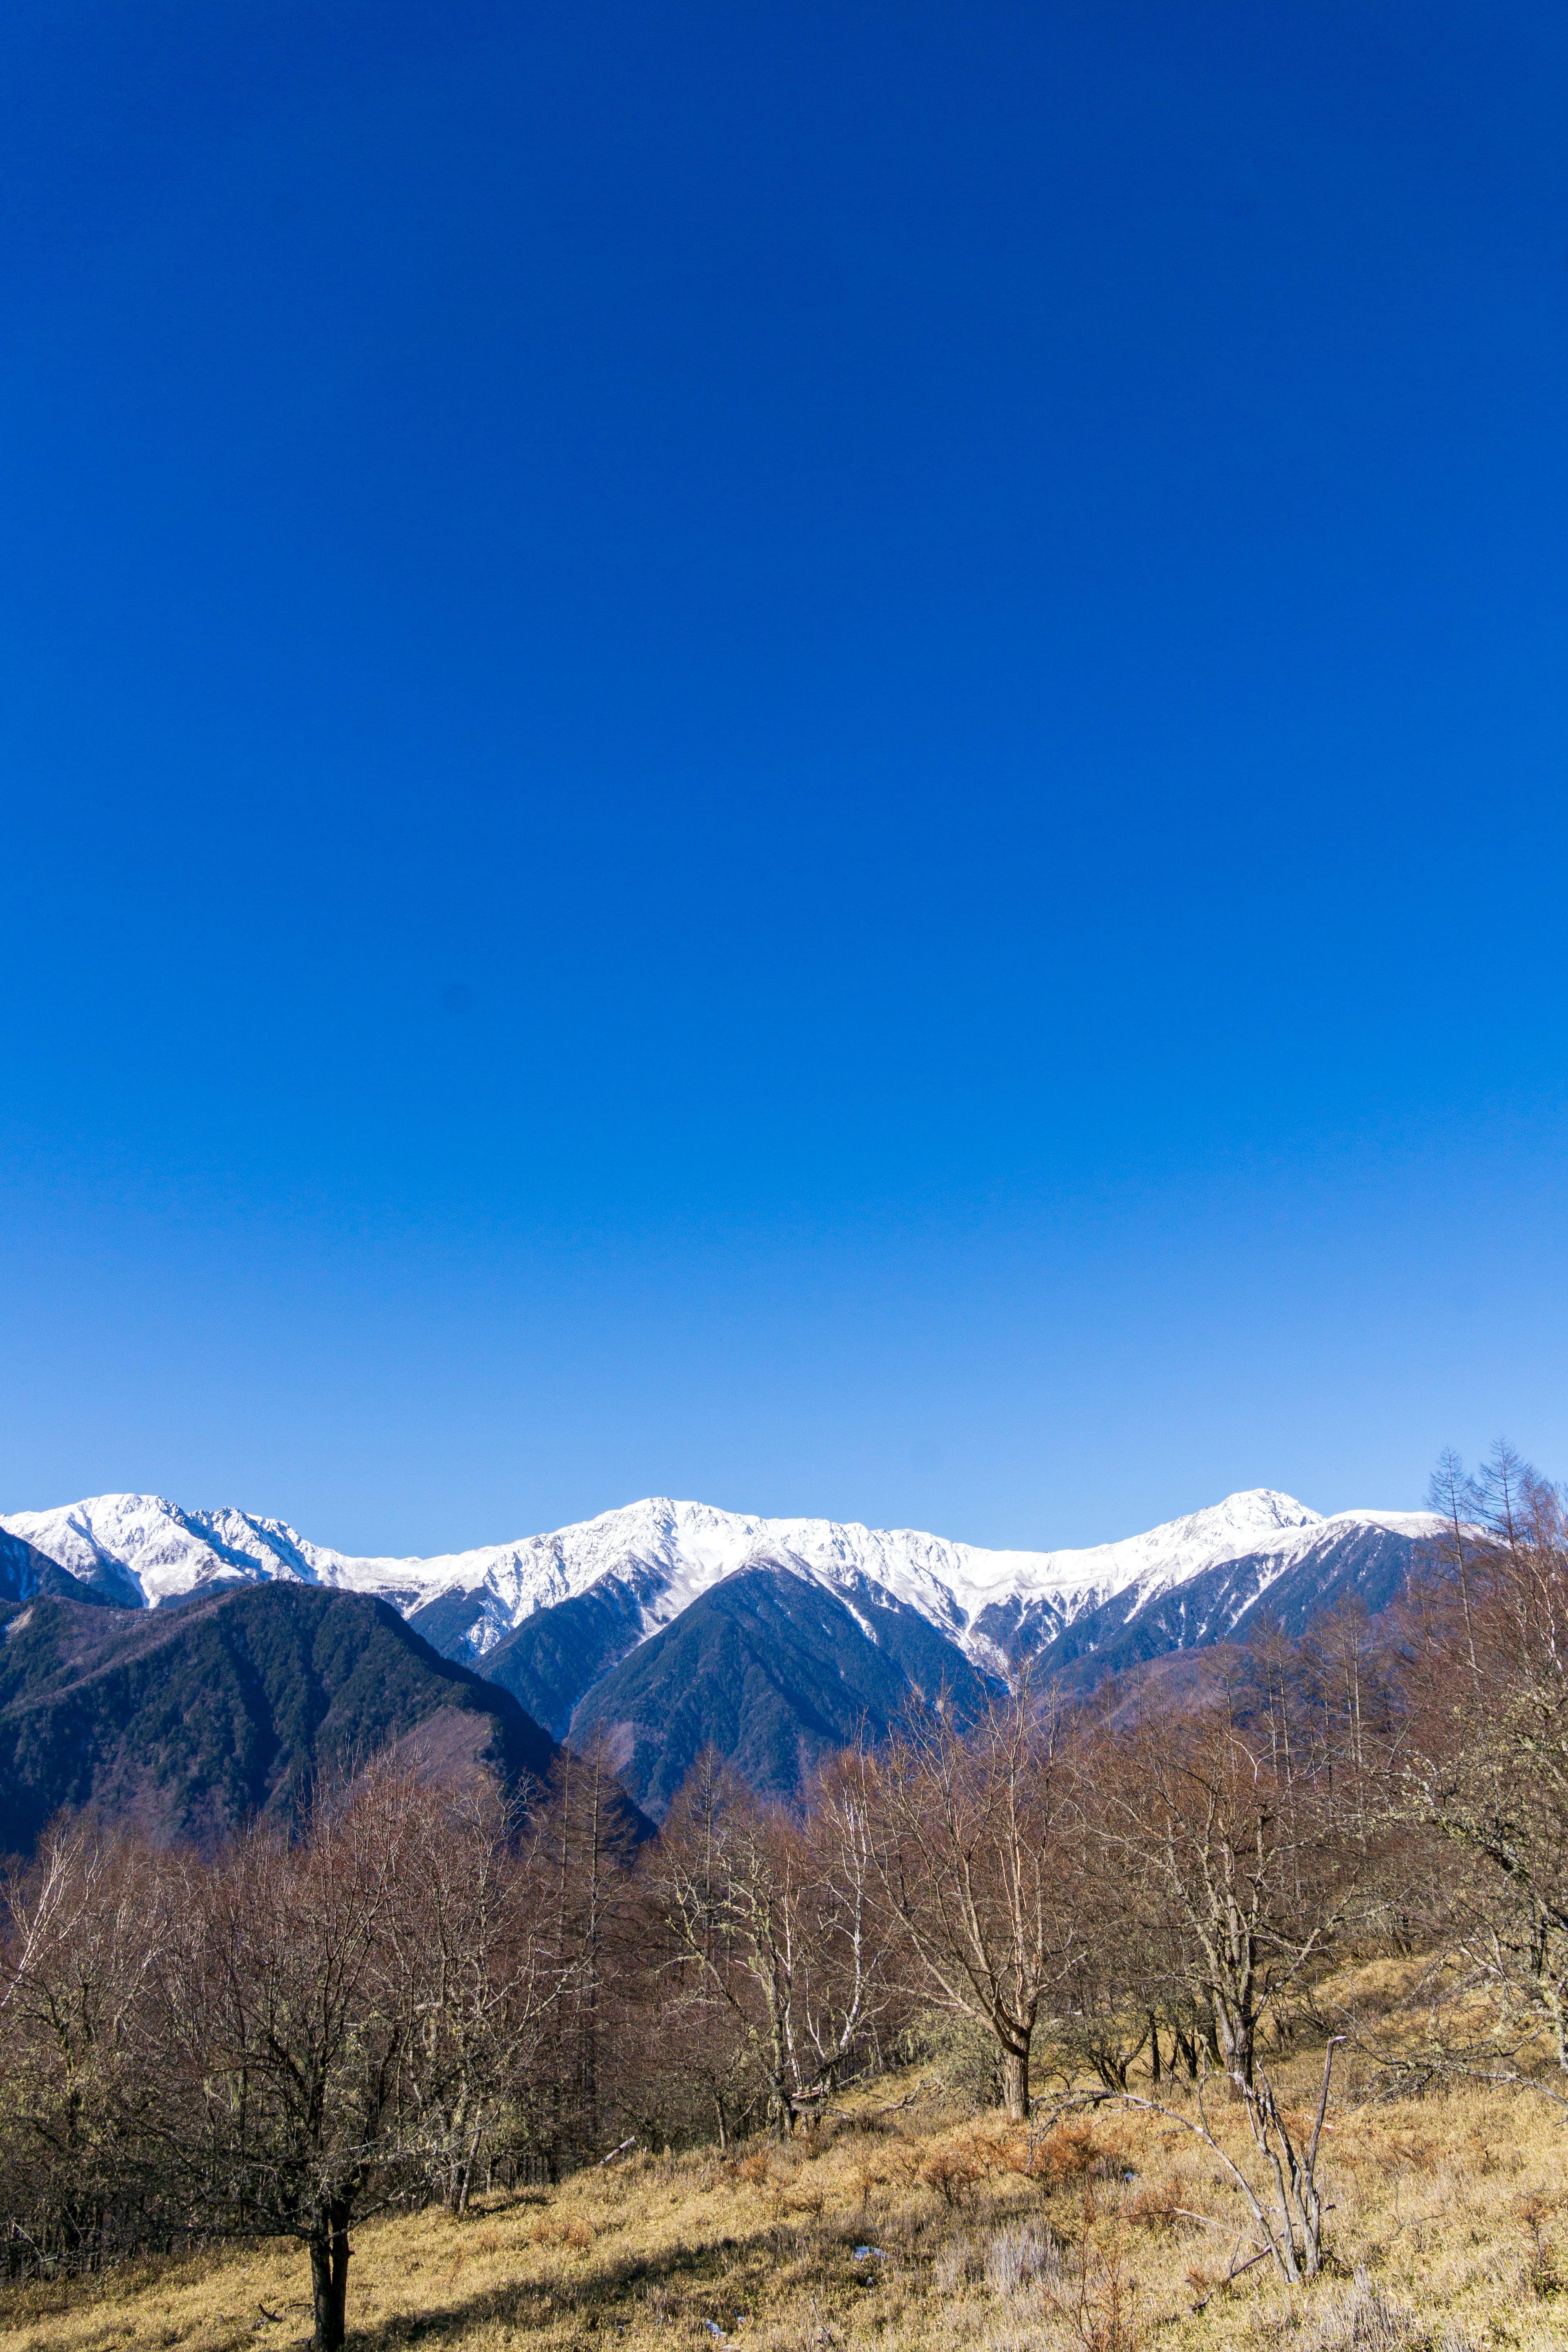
<point>84,1931</point>
<point>1245,1867</point>
<point>1486,1758</point>
<point>975,1838</point>
<point>476,1946</point>
<point>287,2024</point>
<point>775,1923</point>
<point>581,1845</point>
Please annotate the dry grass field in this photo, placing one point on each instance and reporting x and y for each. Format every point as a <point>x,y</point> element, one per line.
<point>916,2228</point>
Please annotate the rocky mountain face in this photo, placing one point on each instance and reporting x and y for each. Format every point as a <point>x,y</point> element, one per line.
<point>665,1622</point>
<point>1365,1553</point>
<point>25,1572</point>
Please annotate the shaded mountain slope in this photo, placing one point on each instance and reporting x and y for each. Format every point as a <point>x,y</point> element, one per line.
<point>189,1721</point>
<point>555,1658</point>
<point>559,1654</point>
<point>25,1572</point>
<point>1225,1603</point>
<point>772,1671</point>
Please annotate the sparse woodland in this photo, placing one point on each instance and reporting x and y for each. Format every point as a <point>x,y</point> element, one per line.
<point>1068,2025</point>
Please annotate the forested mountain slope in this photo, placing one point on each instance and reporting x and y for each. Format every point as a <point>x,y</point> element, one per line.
<point>190,1721</point>
<point>775,1673</point>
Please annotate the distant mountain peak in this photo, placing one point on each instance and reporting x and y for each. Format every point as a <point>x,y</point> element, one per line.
<point>660,1554</point>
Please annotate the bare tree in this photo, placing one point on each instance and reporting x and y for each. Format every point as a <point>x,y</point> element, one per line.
<point>775,1923</point>
<point>975,1839</point>
<point>1114,1997</point>
<point>582,1844</point>
<point>474,1939</point>
<point>289,2018</point>
<point>1283,2192</point>
<point>1245,1867</point>
<point>1486,1760</point>
<point>83,1932</point>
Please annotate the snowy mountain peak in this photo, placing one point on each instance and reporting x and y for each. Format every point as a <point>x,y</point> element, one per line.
<point>658,1555</point>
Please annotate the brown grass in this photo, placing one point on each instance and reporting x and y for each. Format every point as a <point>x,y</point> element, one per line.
<point>1450,2235</point>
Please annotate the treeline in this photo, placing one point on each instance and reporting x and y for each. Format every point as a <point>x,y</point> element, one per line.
<point>428,1992</point>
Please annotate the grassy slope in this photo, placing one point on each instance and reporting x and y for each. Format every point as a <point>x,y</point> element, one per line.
<point>1449,2227</point>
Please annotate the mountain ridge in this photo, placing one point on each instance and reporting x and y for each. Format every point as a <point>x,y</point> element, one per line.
<point>190,1721</point>
<point>650,1559</point>
<point>766,1668</point>
<point>666,1626</point>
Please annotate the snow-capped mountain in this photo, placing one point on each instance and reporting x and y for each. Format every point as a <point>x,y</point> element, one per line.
<point>651,1559</point>
<point>1198,1577</point>
<point>158,1552</point>
<point>666,1628</point>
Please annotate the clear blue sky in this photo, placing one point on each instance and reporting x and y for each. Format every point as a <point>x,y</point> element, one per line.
<point>807,754</point>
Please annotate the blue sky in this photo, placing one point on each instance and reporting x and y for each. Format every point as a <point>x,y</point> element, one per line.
<point>800,754</point>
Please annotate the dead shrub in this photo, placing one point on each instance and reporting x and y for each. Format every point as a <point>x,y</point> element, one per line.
<point>957,2170</point>
<point>1067,2155</point>
<point>572,2233</point>
<point>1161,2208</point>
<point>1089,2290</point>
<point>950,2176</point>
<point>1535,2215</point>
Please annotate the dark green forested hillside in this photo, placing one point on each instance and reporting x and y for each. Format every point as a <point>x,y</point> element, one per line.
<point>775,1673</point>
<point>556,1655</point>
<point>189,1720</point>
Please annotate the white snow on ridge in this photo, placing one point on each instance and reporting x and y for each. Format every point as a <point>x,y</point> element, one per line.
<point>666,1554</point>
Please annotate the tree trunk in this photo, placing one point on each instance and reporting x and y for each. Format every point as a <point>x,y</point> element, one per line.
<point>330,2278</point>
<point>1015,2084</point>
<point>1237,2037</point>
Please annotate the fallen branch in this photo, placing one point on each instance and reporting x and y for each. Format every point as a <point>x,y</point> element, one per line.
<point>1234,2272</point>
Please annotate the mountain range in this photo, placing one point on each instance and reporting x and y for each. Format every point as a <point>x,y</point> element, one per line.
<point>666,1625</point>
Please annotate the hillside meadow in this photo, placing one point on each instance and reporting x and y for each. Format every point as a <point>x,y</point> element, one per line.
<point>911,2218</point>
